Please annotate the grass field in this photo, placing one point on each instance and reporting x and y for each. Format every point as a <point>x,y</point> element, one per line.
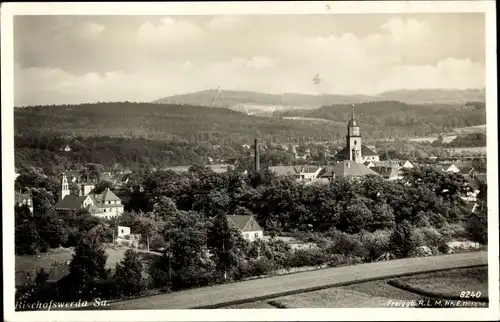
<point>452,282</point>
<point>471,129</point>
<point>61,256</point>
<point>378,293</point>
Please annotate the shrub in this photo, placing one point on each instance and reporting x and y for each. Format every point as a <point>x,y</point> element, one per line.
<point>477,227</point>
<point>345,244</point>
<point>336,260</point>
<point>402,241</point>
<point>307,257</point>
<point>259,267</point>
<point>428,236</point>
<point>376,244</point>
<point>453,231</point>
<point>129,277</point>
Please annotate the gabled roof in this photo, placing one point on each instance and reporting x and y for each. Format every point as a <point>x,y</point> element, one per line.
<point>22,196</point>
<point>471,207</point>
<point>106,195</point>
<point>242,222</point>
<point>466,170</point>
<point>70,202</point>
<point>284,170</point>
<point>308,169</point>
<point>365,151</point>
<point>350,169</point>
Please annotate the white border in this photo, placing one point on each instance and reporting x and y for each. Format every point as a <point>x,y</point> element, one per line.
<point>247,8</point>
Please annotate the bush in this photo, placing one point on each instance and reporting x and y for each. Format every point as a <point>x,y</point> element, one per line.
<point>345,244</point>
<point>308,257</point>
<point>402,241</point>
<point>477,228</point>
<point>453,231</point>
<point>376,244</point>
<point>259,267</point>
<point>428,236</point>
<point>336,260</point>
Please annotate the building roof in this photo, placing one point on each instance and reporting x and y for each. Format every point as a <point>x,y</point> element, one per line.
<point>106,195</point>
<point>284,170</point>
<point>387,163</point>
<point>70,202</point>
<point>365,151</point>
<point>242,222</point>
<point>466,170</point>
<point>481,177</point>
<point>349,169</point>
<point>22,196</point>
<point>308,169</point>
<point>471,207</point>
<point>352,122</point>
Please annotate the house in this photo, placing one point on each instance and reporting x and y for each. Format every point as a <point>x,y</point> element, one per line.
<point>104,205</point>
<point>308,173</point>
<point>447,167</point>
<point>24,199</point>
<point>407,165</point>
<point>123,231</point>
<point>467,171</point>
<point>284,170</point>
<point>348,169</point>
<point>248,226</point>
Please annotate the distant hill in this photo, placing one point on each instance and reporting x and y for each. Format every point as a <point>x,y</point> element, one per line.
<point>378,120</point>
<point>258,103</point>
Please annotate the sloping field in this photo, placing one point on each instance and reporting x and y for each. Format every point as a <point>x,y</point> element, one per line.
<point>378,293</point>
<point>279,286</point>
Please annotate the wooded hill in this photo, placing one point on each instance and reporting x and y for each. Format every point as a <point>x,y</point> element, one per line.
<point>234,98</point>
<point>379,120</point>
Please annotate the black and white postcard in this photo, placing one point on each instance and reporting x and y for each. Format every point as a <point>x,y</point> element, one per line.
<point>250,161</point>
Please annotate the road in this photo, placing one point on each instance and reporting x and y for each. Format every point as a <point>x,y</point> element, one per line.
<point>259,289</point>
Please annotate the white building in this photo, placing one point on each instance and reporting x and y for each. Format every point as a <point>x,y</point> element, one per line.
<point>248,227</point>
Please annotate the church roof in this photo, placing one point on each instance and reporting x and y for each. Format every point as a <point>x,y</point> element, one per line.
<point>352,122</point>
<point>365,151</point>
<point>350,169</point>
<point>70,202</point>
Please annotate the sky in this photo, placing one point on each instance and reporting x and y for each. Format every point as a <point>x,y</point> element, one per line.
<point>74,59</point>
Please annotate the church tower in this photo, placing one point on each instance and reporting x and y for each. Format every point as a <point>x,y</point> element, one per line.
<point>64,187</point>
<point>354,139</point>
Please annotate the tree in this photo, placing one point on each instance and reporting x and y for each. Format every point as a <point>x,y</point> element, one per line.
<point>88,267</point>
<point>27,239</point>
<point>226,245</point>
<point>129,278</point>
<point>402,242</point>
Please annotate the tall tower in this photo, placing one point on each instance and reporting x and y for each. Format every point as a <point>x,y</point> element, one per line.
<point>64,187</point>
<point>257,155</point>
<point>354,139</point>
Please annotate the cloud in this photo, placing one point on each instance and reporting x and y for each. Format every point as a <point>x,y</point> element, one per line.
<point>153,57</point>
<point>168,31</point>
<point>91,30</point>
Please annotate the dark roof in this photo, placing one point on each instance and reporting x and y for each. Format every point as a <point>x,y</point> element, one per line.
<point>70,202</point>
<point>349,169</point>
<point>466,170</point>
<point>244,222</point>
<point>471,207</point>
<point>22,196</point>
<point>352,122</point>
<point>365,151</point>
<point>308,169</point>
<point>106,195</point>
<point>240,220</point>
<point>481,177</point>
<point>284,170</point>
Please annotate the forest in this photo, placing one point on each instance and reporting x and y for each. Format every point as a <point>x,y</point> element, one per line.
<point>194,124</point>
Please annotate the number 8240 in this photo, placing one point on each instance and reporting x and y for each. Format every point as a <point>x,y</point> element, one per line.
<point>469,294</point>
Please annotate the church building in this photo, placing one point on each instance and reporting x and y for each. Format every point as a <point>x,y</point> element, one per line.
<point>354,150</point>
<point>105,204</point>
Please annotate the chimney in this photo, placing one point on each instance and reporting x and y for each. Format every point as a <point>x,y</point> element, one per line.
<point>257,155</point>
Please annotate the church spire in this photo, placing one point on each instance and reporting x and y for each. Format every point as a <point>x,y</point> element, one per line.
<point>352,116</point>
